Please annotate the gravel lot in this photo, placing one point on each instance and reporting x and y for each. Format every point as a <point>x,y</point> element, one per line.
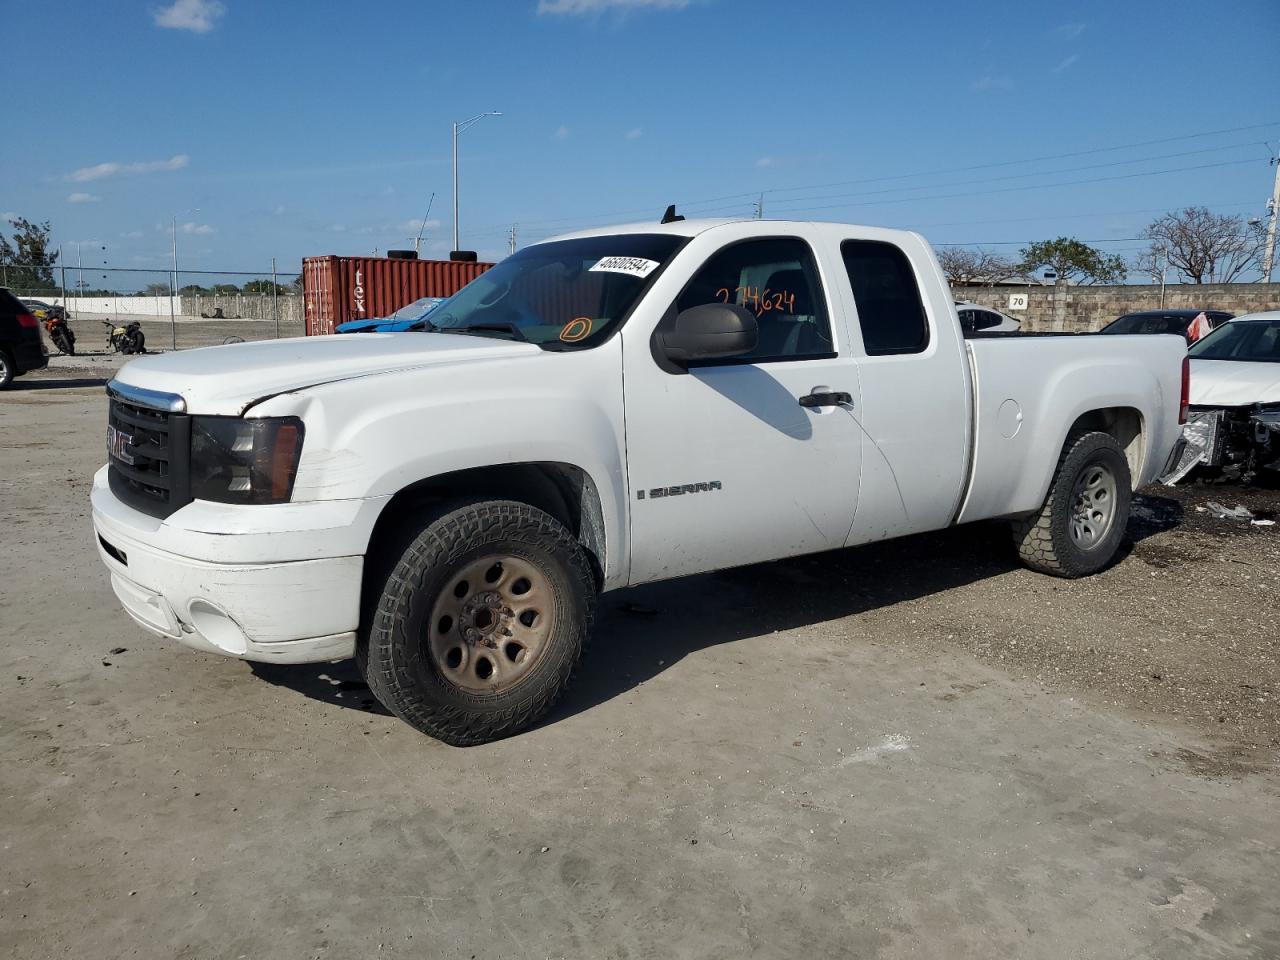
<point>915,749</point>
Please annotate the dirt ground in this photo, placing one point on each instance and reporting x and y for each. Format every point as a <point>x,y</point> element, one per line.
<point>915,749</point>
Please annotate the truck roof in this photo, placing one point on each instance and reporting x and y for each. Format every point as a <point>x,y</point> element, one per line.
<point>694,226</point>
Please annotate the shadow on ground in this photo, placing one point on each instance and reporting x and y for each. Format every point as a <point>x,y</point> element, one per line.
<point>23,384</point>
<point>643,631</point>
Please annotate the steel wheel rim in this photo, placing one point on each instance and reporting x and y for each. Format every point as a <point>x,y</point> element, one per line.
<point>491,623</point>
<point>1093,505</point>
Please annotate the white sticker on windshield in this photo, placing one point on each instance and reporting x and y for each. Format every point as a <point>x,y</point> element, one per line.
<point>632,266</point>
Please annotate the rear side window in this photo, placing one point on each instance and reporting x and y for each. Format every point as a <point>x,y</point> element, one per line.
<point>987,320</point>
<point>885,292</point>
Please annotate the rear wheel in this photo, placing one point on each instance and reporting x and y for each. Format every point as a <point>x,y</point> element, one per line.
<point>6,368</point>
<point>1083,519</point>
<point>481,622</point>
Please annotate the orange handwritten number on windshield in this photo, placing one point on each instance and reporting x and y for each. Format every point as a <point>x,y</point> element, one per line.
<point>579,328</point>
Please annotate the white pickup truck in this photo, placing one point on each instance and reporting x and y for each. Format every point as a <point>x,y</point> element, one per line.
<point>605,409</point>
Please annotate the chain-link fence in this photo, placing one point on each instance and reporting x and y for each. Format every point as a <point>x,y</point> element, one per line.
<point>209,306</point>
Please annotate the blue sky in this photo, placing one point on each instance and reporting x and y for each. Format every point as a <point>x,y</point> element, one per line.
<point>286,130</point>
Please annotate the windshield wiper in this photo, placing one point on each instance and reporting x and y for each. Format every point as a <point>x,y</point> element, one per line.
<point>426,326</point>
<point>498,326</point>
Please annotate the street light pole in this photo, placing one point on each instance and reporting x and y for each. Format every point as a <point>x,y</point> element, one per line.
<point>457,129</point>
<point>173,290</point>
<point>1269,257</point>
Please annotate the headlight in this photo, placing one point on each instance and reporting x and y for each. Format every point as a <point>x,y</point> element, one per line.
<point>244,461</point>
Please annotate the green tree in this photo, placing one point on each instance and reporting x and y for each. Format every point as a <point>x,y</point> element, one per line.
<point>263,286</point>
<point>194,290</point>
<point>156,290</point>
<point>1073,260</point>
<point>224,289</point>
<point>27,260</point>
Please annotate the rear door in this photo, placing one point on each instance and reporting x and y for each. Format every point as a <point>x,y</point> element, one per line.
<point>915,406</point>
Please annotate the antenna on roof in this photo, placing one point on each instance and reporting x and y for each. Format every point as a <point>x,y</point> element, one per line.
<point>671,216</point>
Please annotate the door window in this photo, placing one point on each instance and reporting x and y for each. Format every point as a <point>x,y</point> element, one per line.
<point>885,292</point>
<point>776,280</point>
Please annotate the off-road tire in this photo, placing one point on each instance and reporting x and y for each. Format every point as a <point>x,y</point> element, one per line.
<point>6,368</point>
<point>394,654</point>
<point>1044,538</point>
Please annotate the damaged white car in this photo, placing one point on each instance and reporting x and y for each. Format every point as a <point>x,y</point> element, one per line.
<point>1233,422</point>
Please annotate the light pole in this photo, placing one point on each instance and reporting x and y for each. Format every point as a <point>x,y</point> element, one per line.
<point>1273,208</point>
<point>173,288</point>
<point>457,129</point>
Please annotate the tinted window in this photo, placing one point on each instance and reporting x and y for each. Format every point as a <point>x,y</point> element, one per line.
<point>777,281</point>
<point>1253,341</point>
<point>967,322</point>
<point>890,311</point>
<point>987,319</point>
<point>1138,323</point>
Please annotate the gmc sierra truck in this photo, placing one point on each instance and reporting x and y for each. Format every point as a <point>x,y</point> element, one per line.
<point>605,409</point>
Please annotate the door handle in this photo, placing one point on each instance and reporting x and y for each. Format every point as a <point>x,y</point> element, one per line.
<point>826,397</point>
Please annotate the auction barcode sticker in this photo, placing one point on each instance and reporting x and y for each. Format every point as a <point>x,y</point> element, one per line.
<point>633,266</point>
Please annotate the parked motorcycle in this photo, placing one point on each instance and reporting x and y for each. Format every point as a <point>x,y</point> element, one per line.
<point>63,337</point>
<point>127,339</point>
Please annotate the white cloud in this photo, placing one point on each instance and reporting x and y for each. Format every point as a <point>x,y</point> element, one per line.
<point>194,15</point>
<point>561,132</point>
<point>198,229</point>
<point>990,81</point>
<point>1066,63</point>
<point>583,7</point>
<point>82,198</point>
<point>132,235</point>
<point>412,226</point>
<point>635,133</point>
<point>766,162</point>
<point>113,169</point>
<point>1070,31</point>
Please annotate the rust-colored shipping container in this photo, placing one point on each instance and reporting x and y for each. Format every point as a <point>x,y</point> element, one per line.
<point>338,289</point>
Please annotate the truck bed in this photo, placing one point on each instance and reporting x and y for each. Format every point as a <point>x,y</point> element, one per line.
<point>1029,390</point>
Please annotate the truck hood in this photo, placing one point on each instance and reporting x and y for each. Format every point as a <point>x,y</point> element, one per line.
<point>1233,383</point>
<point>230,379</point>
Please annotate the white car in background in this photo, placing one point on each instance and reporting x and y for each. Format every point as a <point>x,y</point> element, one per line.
<point>978,319</point>
<point>1234,413</point>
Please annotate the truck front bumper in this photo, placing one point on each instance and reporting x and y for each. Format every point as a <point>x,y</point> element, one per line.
<point>281,611</point>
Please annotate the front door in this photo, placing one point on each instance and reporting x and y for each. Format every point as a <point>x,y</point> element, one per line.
<point>725,465</point>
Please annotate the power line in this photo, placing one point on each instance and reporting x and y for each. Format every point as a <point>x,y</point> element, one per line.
<point>1022,176</point>
<point>493,230</point>
<point>1034,186</point>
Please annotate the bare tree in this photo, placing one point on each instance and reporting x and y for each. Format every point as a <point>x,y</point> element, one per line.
<point>973,265</point>
<point>1203,247</point>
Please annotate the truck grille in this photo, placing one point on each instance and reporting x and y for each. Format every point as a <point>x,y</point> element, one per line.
<point>148,449</point>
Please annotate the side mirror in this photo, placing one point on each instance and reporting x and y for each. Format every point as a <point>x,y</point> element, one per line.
<point>709,331</point>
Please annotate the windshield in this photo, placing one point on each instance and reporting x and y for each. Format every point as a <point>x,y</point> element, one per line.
<point>570,294</point>
<point>1253,341</point>
<point>416,310</point>
<point>1147,323</point>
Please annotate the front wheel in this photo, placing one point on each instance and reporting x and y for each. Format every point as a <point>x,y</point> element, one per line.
<point>481,622</point>
<point>1083,519</point>
<point>6,369</point>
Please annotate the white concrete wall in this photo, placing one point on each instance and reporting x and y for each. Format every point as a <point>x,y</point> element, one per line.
<point>132,306</point>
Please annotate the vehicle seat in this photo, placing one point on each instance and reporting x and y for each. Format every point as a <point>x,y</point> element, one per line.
<point>787,334</point>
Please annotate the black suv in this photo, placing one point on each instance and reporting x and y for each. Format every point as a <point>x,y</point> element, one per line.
<point>21,348</point>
